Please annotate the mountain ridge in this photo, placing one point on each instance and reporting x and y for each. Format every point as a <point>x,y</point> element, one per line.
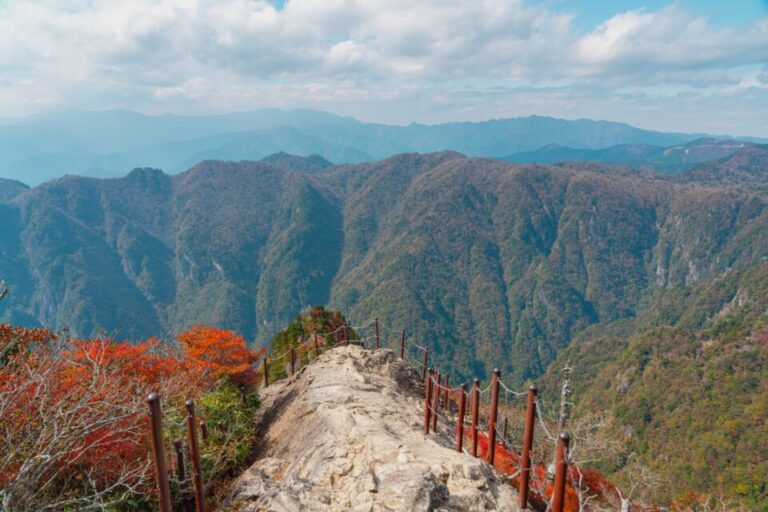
<point>105,143</point>
<point>665,159</point>
<point>519,258</point>
<point>10,189</point>
<point>359,415</point>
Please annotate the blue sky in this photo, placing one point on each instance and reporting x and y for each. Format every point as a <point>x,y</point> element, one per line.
<point>679,66</point>
<point>720,12</point>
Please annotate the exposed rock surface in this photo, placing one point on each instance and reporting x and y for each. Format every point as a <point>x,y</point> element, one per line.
<point>346,434</point>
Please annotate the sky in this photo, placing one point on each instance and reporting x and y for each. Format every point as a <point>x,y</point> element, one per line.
<point>688,65</point>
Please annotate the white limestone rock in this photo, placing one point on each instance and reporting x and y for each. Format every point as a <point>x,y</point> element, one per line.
<point>345,434</point>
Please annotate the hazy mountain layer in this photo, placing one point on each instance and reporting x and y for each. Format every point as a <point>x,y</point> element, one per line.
<point>106,144</point>
<point>671,160</point>
<point>488,263</point>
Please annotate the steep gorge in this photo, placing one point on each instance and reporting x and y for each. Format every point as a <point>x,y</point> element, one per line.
<point>488,263</point>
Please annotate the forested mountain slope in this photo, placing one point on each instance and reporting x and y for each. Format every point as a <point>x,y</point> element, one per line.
<point>9,189</point>
<point>688,390</point>
<point>488,263</point>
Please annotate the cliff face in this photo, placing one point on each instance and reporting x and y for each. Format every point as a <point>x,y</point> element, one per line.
<point>346,434</point>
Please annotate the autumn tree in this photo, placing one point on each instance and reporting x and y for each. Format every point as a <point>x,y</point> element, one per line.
<point>224,353</point>
<point>73,433</point>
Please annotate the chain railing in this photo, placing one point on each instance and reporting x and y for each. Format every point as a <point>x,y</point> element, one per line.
<point>469,415</point>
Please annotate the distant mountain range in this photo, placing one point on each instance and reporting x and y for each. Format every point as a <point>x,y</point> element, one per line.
<point>109,143</point>
<point>669,159</point>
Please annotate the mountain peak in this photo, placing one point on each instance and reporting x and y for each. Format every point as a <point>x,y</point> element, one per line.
<point>311,163</point>
<point>145,173</point>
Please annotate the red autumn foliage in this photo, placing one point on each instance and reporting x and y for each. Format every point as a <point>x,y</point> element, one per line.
<point>82,402</point>
<point>223,352</point>
<point>14,339</point>
<point>508,462</point>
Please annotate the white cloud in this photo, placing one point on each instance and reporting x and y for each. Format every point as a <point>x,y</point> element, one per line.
<point>669,39</point>
<point>205,55</point>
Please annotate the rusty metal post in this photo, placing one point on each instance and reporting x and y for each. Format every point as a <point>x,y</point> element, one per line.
<point>182,475</point>
<point>194,457</point>
<point>475,414</point>
<point>376,323</point>
<point>460,419</point>
<point>402,344</point>
<point>435,401</point>
<point>293,360</point>
<point>204,430</point>
<point>179,460</point>
<point>424,365</point>
<point>561,464</point>
<point>345,331</point>
<point>266,371</point>
<point>525,462</point>
<point>317,345</point>
<point>427,400</point>
<point>158,453</point>
<point>494,416</point>
<point>446,398</point>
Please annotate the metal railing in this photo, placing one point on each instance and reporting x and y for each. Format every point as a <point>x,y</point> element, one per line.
<point>439,400</point>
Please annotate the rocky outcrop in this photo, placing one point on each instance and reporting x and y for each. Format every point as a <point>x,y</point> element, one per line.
<point>346,434</point>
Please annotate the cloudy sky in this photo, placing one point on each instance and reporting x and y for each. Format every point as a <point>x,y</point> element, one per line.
<point>690,65</point>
